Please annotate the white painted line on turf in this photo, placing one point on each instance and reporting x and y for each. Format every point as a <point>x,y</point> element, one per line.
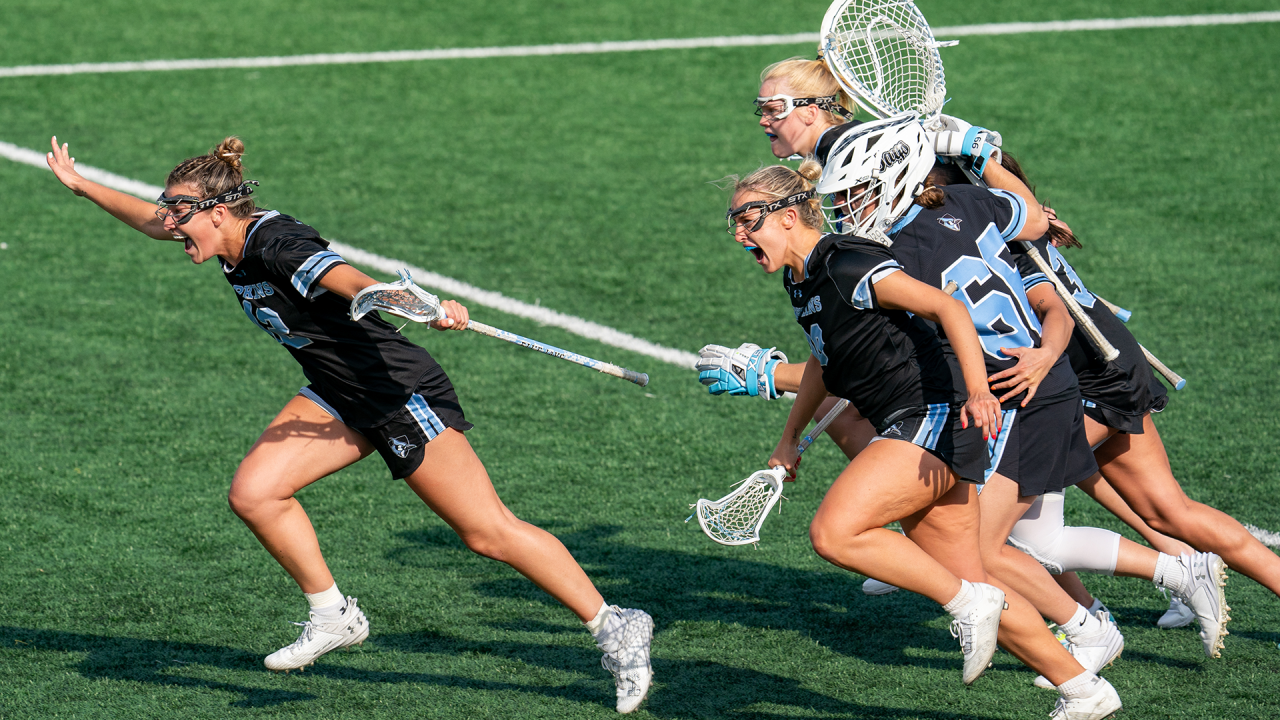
<point>1266,537</point>
<point>621,46</point>
<point>447,285</point>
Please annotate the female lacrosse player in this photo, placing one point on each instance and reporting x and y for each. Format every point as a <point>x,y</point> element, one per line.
<point>371,389</point>
<point>870,343</point>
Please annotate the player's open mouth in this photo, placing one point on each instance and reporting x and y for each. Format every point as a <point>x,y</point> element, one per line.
<point>771,136</point>
<point>758,253</point>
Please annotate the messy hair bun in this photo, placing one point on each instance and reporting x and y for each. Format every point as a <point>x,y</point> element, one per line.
<point>810,169</point>
<point>229,151</point>
<point>214,173</point>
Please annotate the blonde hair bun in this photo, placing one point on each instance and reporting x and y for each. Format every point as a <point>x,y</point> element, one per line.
<point>810,169</point>
<point>230,151</point>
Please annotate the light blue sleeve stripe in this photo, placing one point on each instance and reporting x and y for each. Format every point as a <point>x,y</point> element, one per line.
<point>312,269</point>
<point>1031,281</point>
<point>862,294</point>
<point>1019,218</point>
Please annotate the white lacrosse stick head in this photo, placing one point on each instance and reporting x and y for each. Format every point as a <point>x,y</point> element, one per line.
<point>883,53</point>
<point>880,165</point>
<point>403,298</point>
<point>735,519</point>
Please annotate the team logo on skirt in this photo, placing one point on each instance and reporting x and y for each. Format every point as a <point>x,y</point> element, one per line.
<point>401,446</point>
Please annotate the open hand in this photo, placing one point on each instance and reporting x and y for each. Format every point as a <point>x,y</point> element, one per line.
<point>64,167</point>
<point>982,409</point>
<point>1033,365</point>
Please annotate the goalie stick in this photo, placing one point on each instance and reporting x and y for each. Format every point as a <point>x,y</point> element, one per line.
<point>407,300</point>
<point>1177,381</point>
<point>735,519</point>
<point>883,53</point>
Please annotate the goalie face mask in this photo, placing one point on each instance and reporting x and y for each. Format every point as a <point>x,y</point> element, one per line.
<point>184,207</point>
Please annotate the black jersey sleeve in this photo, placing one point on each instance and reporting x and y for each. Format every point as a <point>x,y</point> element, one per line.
<point>1010,212</point>
<point>856,267</point>
<point>1031,273</point>
<point>301,258</point>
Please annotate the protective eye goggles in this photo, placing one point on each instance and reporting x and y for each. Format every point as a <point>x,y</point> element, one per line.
<point>183,207</point>
<point>777,107</point>
<point>736,220</point>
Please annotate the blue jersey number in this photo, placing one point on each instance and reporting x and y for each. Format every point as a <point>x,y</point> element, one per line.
<point>1060,264</point>
<point>269,320</point>
<point>1002,314</point>
<point>814,335</point>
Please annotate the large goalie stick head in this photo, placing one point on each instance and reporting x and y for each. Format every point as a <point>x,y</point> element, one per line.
<point>735,519</point>
<point>873,174</point>
<point>403,298</point>
<point>883,53</point>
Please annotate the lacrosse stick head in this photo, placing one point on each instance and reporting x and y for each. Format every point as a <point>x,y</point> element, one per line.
<point>403,298</point>
<point>884,55</point>
<point>873,174</point>
<point>735,519</point>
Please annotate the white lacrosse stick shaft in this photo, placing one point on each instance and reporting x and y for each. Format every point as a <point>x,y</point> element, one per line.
<point>638,378</point>
<point>1177,381</point>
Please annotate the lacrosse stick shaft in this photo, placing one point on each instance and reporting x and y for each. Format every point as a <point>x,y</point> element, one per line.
<point>638,378</point>
<point>1177,381</point>
<point>822,426</point>
<point>1104,346</point>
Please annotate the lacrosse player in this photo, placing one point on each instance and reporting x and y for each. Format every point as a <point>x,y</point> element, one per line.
<point>371,390</point>
<point>870,343</point>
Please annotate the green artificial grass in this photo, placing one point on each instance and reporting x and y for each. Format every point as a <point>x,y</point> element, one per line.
<point>131,384</point>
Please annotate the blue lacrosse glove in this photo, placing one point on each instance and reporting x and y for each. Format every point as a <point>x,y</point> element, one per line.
<point>746,370</point>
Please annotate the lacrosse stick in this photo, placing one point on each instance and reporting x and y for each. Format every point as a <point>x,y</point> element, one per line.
<point>406,299</point>
<point>735,519</point>
<point>883,53</point>
<point>1177,381</point>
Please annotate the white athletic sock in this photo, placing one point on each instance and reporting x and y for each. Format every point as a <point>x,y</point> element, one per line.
<point>966,595</point>
<point>606,628</point>
<point>328,604</point>
<point>1169,574</point>
<point>1081,686</point>
<point>1081,623</point>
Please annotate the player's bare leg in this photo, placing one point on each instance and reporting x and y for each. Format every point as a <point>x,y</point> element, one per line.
<point>301,445</point>
<point>1101,491</point>
<point>1138,468</point>
<point>454,484</point>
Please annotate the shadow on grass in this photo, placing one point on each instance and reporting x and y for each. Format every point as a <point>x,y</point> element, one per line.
<point>155,662</point>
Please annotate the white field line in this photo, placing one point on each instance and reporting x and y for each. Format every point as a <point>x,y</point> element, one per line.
<point>1266,537</point>
<point>623,46</point>
<point>446,285</point>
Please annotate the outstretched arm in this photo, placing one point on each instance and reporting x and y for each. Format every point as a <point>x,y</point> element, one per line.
<point>346,281</point>
<point>132,211</point>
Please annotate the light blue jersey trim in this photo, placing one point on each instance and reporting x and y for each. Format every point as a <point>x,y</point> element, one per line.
<point>312,269</point>
<point>906,219</point>
<point>258,224</point>
<point>425,416</point>
<point>1030,281</point>
<point>996,445</point>
<point>931,429</point>
<point>862,294</point>
<point>1019,219</point>
<point>311,395</point>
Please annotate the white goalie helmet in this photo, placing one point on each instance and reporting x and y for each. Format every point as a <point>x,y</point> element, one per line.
<point>873,174</point>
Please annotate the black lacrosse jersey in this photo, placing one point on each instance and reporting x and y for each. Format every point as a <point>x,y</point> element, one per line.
<point>1126,385</point>
<point>882,361</point>
<point>366,369</point>
<point>964,241</point>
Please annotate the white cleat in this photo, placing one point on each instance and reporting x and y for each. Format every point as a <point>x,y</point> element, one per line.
<point>872,586</point>
<point>1207,599</point>
<point>1093,652</point>
<point>1178,615</point>
<point>977,630</point>
<point>1104,703</point>
<point>319,638</point>
<point>629,664</point>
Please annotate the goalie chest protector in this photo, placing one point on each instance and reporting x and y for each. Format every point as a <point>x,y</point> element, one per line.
<point>965,241</point>
<point>366,369</point>
<point>882,361</point>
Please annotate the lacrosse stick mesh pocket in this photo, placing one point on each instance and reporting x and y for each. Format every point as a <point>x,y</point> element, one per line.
<point>889,50</point>
<point>735,519</point>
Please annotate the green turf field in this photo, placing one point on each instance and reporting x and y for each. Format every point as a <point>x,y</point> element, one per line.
<point>131,385</point>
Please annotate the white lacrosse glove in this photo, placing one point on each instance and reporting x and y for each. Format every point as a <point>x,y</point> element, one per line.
<point>746,370</point>
<point>959,139</point>
<point>403,298</point>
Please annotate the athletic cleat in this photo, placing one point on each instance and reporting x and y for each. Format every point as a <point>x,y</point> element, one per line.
<point>1178,615</point>
<point>977,630</point>
<point>1104,703</point>
<point>873,586</point>
<point>1093,652</point>
<point>1207,599</point>
<point>319,638</point>
<point>629,664</point>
